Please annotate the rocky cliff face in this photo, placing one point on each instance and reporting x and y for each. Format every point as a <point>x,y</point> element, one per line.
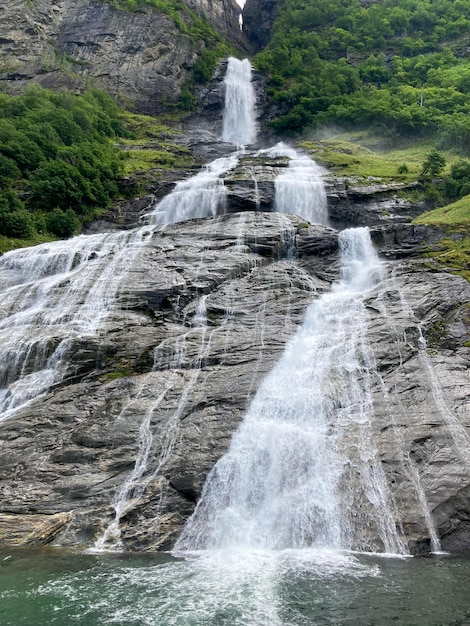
<point>151,403</point>
<point>141,56</point>
<point>207,310</point>
<point>258,20</point>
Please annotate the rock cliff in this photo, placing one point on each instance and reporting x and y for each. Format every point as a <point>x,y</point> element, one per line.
<point>151,403</point>
<point>258,20</point>
<point>142,56</point>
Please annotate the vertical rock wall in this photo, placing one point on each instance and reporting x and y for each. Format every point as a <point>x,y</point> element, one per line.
<point>140,55</point>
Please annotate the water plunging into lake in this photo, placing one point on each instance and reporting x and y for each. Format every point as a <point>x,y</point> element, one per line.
<point>280,533</point>
<point>273,539</point>
<point>282,485</point>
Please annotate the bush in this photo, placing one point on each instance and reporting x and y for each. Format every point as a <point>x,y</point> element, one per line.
<point>60,148</point>
<point>17,224</point>
<point>63,224</point>
<point>15,220</point>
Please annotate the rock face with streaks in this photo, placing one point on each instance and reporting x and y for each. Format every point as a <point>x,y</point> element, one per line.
<point>205,311</point>
<point>141,56</point>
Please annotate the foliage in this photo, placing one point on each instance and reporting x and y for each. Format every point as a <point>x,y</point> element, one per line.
<point>453,255</point>
<point>145,158</point>
<point>396,65</point>
<point>152,145</point>
<point>62,223</point>
<point>10,243</point>
<point>363,155</point>
<point>58,161</point>
<point>451,214</point>
<point>433,164</point>
<point>452,186</point>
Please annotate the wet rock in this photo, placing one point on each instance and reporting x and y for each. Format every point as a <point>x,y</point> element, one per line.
<point>203,315</point>
<point>258,20</point>
<point>371,205</point>
<point>31,530</point>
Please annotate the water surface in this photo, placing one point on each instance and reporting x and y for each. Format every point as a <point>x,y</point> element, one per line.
<point>213,589</point>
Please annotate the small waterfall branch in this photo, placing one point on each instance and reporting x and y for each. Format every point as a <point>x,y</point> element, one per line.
<point>281,483</point>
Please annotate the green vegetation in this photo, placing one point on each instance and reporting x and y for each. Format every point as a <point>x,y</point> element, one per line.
<point>122,370</point>
<point>452,255</point>
<point>10,243</point>
<point>455,214</point>
<point>395,65</point>
<point>453,252</point>
<point>363,155</point>
<point>58,162</point>
<point>152,146</point>
<point>61,158</point>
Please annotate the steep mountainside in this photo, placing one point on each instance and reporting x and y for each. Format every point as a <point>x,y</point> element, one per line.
<point>118,452</point>
<point>143,56</point>
<point>129,359</point>
<point>400,66</point>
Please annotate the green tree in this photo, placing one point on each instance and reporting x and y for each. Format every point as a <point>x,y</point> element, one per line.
<point>15,220</point>
<point>62,223</point>
<point>433,164</point>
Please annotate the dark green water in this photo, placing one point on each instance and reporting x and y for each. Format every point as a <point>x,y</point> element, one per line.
<point>295,589</point>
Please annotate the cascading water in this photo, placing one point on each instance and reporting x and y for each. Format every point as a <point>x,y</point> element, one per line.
<point>53,296</point>
<point>280,484</point>
<point>288,445</point>
<point>239,118</point>
<point>58,294</point>
<point>300,189</point>
<point>147,464</point>
<point>203,195</point>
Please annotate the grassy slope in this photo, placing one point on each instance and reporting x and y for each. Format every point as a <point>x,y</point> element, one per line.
<point>362,155</point>
<point>452,254</point>
<point>454,215</point>
<point>153,144</point>
<point>151,149</point>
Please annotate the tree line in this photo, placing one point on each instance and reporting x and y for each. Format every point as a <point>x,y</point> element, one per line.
<point>58,161</point>
<point>400,66</point>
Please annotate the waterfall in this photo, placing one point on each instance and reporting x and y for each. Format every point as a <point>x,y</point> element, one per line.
<point>58,295</point>
<point>239,120</point>
<point>54,297</point>
<point>202,195</point>
<point>284,482</point>
<point>300,189</point>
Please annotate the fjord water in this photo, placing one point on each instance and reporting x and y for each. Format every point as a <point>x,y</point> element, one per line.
<point>61,589</point>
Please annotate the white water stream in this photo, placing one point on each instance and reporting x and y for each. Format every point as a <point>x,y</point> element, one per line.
<point>54,297</point>
<point>279,485</point>
<point>302,473</point>
<point>239,119</point>
<point>202,195</point>
<point>300,189</point>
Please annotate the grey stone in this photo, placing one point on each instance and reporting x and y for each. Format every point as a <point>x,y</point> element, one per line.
<point>71,451</point>
<point>140,56</point>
